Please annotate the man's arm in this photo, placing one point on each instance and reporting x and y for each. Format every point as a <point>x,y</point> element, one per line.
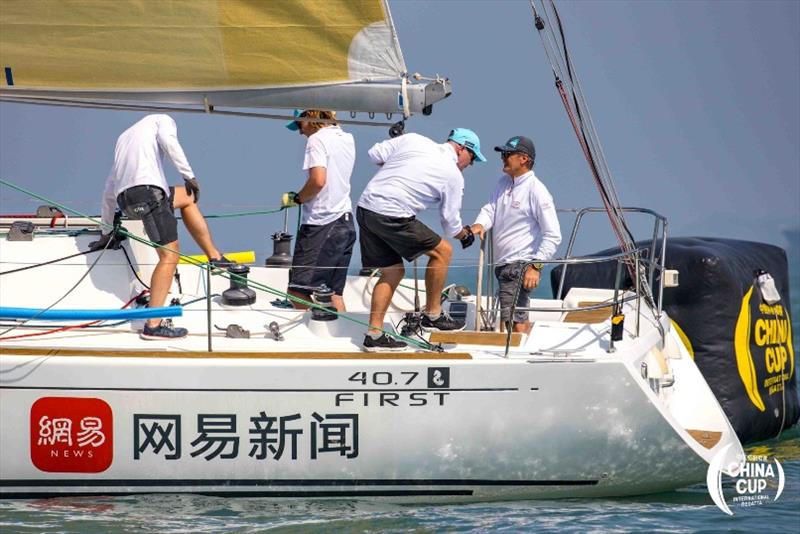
<point>546,216</point>
<point>167,138</point>
<point>381,152</point>
<point>108,205</point>
<point>450,211</point>
<point>317,178</point>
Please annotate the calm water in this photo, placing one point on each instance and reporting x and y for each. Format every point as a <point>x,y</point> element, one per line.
<point>687,510</point>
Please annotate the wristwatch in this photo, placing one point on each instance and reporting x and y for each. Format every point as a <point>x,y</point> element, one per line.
<point>538,266</point>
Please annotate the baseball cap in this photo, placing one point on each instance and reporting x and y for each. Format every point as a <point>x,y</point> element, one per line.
<point>294,125</point>
<point>519,143</point>
<point>467,138</point>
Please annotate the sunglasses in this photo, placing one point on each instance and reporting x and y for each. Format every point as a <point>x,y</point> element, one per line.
<point>507,153</point>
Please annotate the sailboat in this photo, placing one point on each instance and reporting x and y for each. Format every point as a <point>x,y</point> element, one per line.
<point>269,401</point>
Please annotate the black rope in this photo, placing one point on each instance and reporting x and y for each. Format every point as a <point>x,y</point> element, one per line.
<point>130,264</point>
<point>45,263</point>
<point>81,279</point>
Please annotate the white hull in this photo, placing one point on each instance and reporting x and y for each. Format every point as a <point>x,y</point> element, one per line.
<point>560,416</point>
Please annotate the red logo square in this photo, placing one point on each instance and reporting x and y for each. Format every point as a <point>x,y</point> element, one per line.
<point>71,435</point>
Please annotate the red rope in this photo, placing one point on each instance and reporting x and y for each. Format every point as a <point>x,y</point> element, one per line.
<point>72,327</point>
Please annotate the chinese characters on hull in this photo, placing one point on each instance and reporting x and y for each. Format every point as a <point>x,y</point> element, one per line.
<point>271,437</point>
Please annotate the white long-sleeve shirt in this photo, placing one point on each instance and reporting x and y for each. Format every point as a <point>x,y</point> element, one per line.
<point>138,160</point>
<point>524,219</point>
<point>416,174</point>
<point>332,148</point>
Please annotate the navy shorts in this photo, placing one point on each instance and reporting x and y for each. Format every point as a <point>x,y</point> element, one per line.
<point>322,255</point>
<point>508,276</point>
<point>153,206</point>
<point>386,240</point>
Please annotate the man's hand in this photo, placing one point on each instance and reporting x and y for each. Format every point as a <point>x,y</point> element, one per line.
<point>478,230</point>
<point>106,241</point>
<point>468,238</point>
<point>531,279</point>
<point>290,200</point>
<point>192,188</point>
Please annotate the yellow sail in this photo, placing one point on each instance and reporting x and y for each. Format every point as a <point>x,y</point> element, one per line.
<point>181,44</point>
<point>240,53</point>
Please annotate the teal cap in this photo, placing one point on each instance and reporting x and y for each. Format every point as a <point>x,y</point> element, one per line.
<point>294,125</point>
<point>469,139</point>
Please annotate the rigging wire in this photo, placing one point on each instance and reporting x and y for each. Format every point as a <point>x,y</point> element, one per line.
<point>572,97</point>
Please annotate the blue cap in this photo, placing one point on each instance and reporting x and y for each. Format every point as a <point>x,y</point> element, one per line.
<point>294,125</point>
<point>469,139</point>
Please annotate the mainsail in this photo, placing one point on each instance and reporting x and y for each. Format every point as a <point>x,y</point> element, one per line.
<point>336,54</point>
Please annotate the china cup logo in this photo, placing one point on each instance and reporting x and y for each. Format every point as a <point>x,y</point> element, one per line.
<point>71,435</point>
<point>755,480</point>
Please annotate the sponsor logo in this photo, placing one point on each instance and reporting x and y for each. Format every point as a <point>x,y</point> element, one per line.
<point>71,435</point>
<point>755,480</point>
<point>438,377</point>
<point>764,351</point>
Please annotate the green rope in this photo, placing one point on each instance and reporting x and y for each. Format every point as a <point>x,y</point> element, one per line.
<point>217,271</point>
<point>240,214</point>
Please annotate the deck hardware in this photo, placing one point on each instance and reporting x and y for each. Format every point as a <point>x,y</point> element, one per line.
<point>643,370</point>
<point>275,330</point>
<point>238,294</point>
<point>234,331</point>
<point>20,231</point>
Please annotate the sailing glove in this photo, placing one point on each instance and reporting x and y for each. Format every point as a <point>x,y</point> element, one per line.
<point>290,200</point>
<point>468,239</point>
<point>192,188</point>
<point>107,241</point>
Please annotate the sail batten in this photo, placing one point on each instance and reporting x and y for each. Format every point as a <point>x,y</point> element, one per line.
<point>206,50</point>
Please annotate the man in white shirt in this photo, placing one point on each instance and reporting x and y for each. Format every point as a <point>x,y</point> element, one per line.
<point>523,215</point>
<point>415,173</point>
<point>137,185</point>
<point>327,233</point>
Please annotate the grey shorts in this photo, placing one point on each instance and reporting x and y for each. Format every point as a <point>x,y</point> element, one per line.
<point>153,206</point>
<point>508,276</point>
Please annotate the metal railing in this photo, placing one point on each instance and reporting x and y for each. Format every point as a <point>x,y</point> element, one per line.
<point>651,258</point>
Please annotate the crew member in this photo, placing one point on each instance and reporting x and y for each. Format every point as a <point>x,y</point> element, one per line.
<point>327,233</point>
<point>522,213</point>
<point>415,173</point>
<point>137,185</point>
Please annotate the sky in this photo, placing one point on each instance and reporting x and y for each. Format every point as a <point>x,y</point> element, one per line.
<point>697,105</point>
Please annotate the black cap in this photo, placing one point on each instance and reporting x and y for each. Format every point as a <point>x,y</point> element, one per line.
<point>519,143</point>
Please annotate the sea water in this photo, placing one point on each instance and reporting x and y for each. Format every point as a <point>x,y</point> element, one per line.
<point>687,510</point>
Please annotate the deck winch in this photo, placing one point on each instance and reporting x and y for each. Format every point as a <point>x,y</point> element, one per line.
<point>239,294</point>
<point>323,297</point>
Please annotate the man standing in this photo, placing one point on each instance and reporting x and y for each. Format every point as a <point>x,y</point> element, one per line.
<point>138,186</point>
<point>415,173</point>
<point>523,215</point>
<point>327,233</point>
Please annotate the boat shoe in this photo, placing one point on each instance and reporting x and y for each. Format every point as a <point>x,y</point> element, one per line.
<point>443,322</point>
<point>383,344</point>
<point>164,330</point>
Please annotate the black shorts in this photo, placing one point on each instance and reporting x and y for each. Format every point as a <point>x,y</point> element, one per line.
<point>386,240</point>
<point>151,205</point>
<point>508,276</point>
<point>322,255</point>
